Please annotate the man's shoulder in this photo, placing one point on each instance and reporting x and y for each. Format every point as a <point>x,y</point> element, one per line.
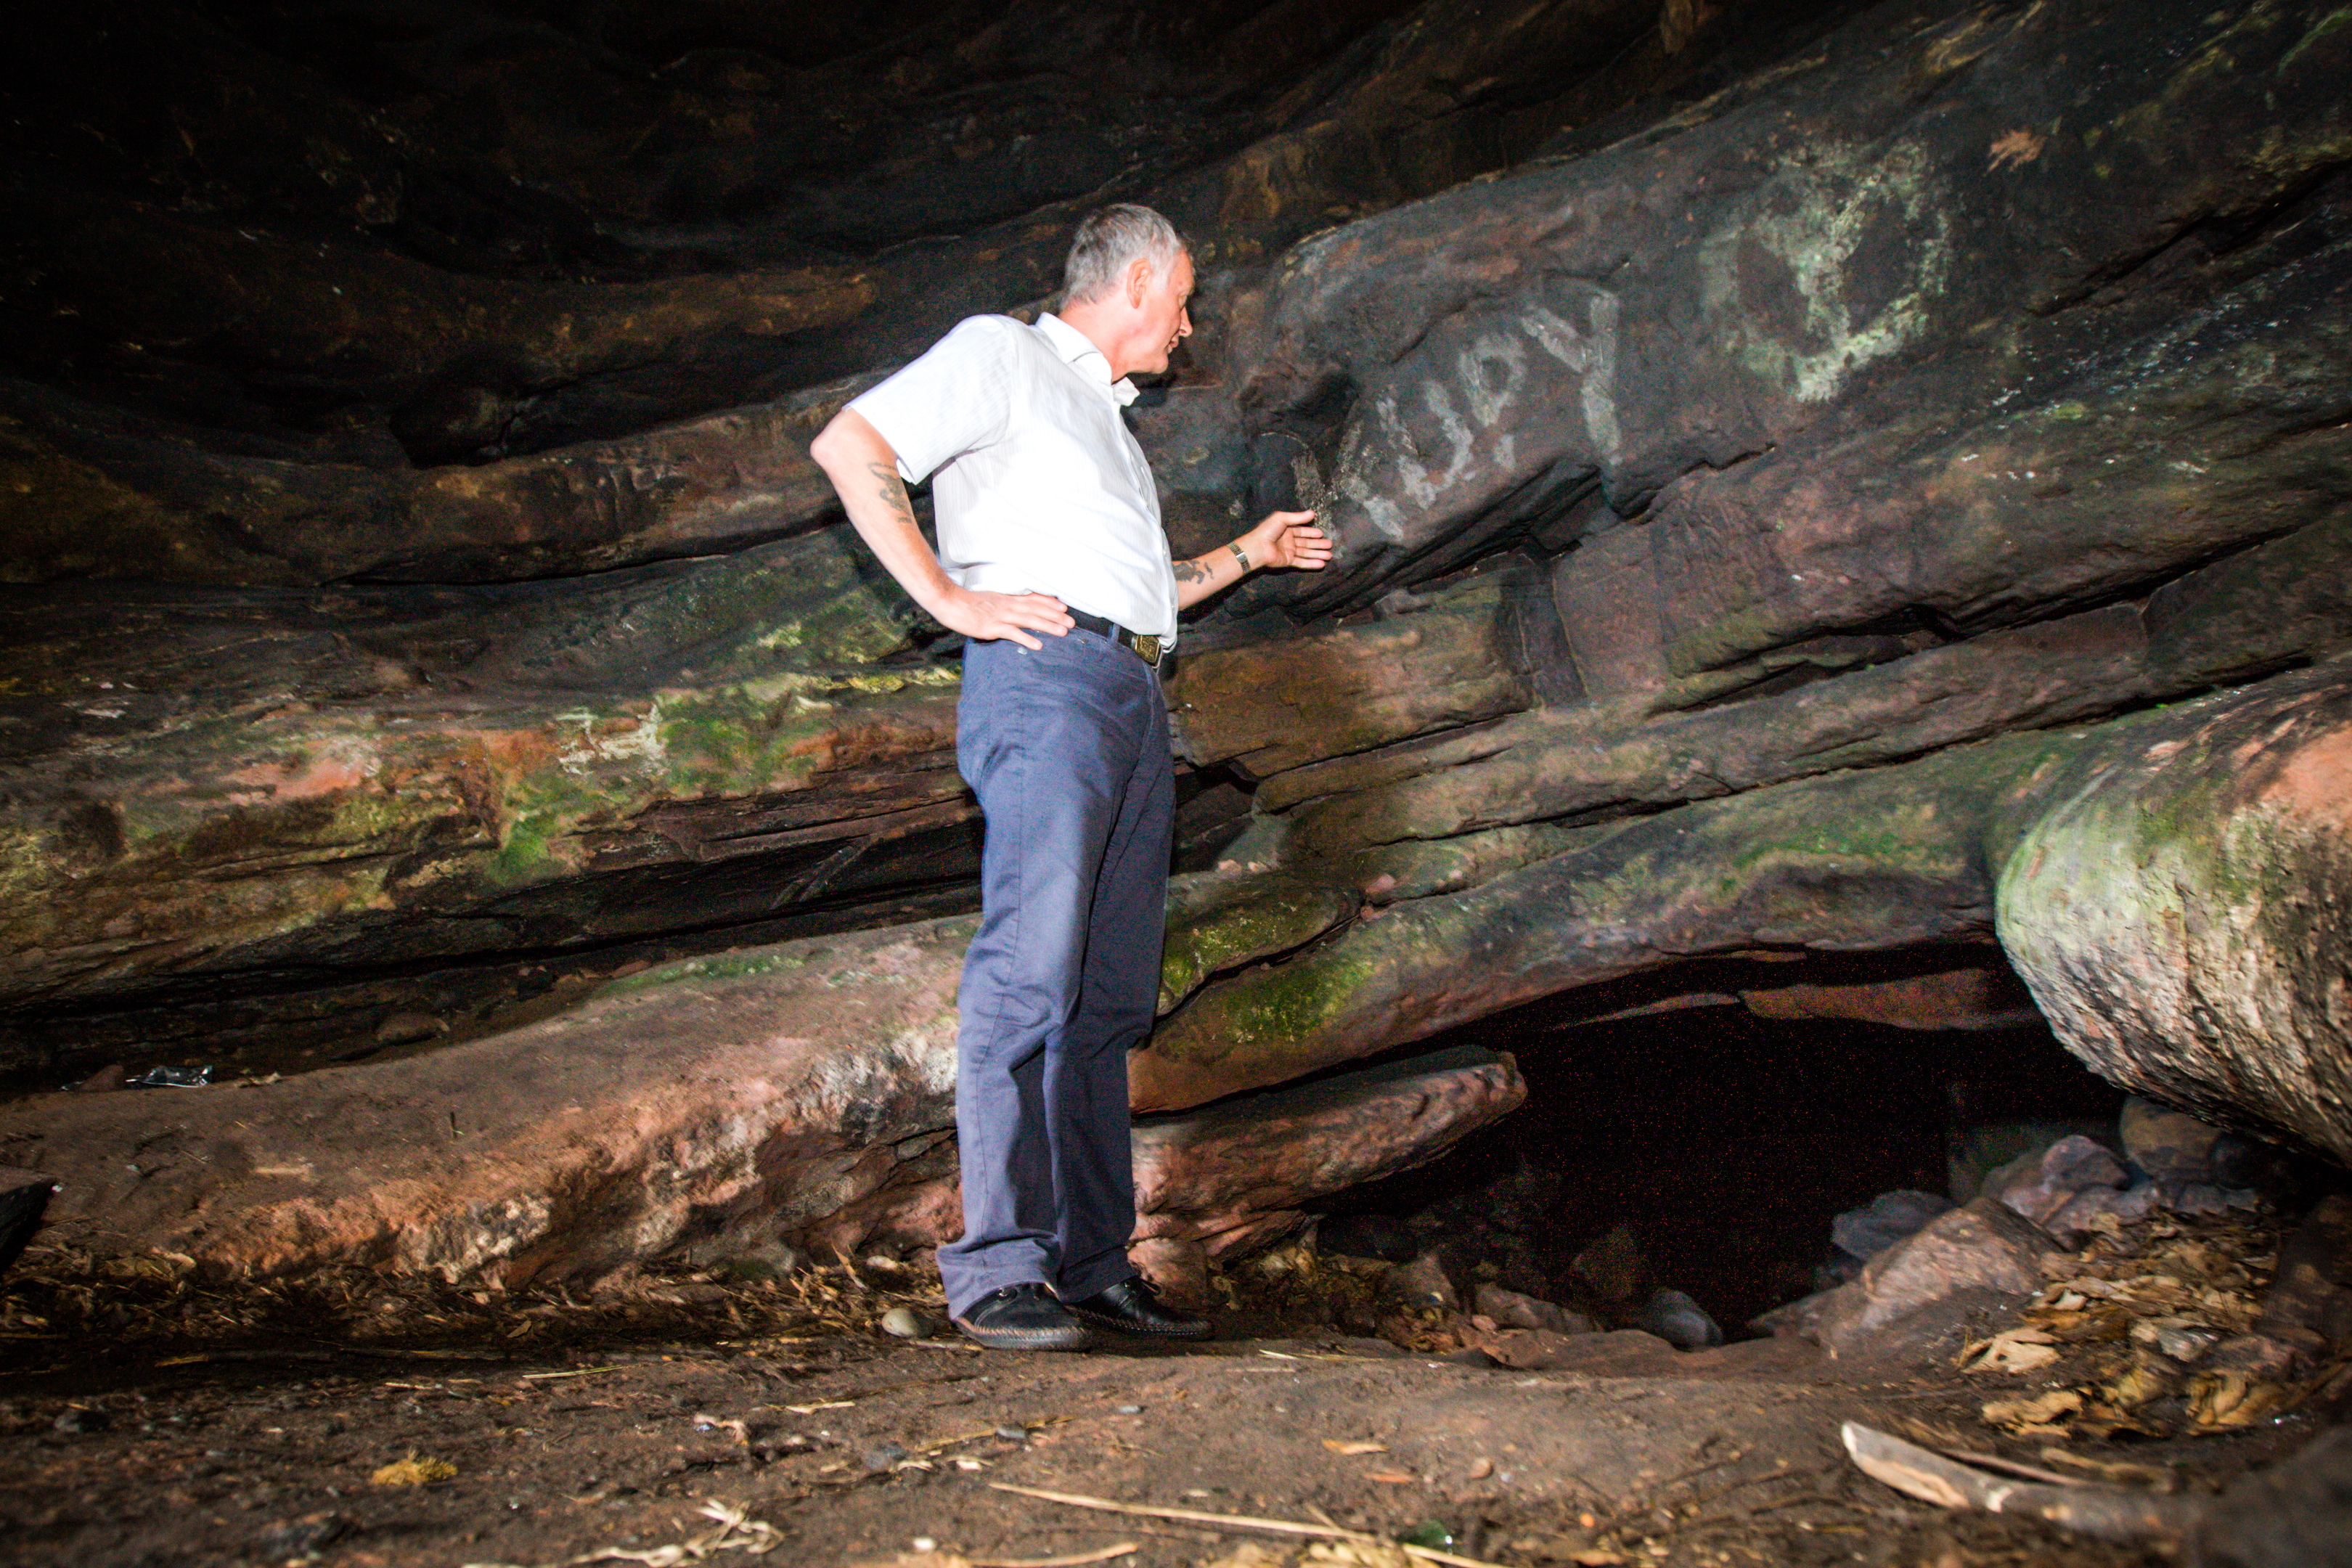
<point>981,345</point>
<point>992,328</point>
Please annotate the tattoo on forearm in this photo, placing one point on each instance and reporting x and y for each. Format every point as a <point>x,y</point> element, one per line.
<point>1190,571</point>
<point>892,490</point>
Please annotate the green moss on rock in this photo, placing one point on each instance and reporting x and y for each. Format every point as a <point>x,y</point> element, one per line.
<point>1264,916</point>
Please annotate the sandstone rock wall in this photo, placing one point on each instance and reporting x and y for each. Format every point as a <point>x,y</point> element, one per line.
<point>1778,470</point>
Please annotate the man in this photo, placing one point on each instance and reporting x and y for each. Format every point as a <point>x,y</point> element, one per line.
<point>1053,565</point>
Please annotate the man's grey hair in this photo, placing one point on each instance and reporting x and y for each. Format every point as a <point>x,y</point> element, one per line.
<point>1107,241</point>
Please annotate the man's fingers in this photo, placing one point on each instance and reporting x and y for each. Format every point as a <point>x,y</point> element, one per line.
<point>1015,625</point>
<point>1309,549</point>
<point>1038,613</point>
<point>1045,613</point>
<point>1012,617</point>
<point>1275,528</point>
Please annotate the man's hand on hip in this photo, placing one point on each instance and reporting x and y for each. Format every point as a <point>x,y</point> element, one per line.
<point>864,474</point>
<point>988,616</point>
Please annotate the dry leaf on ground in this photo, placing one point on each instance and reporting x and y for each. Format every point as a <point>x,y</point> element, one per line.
<point>2149,1377</point>
<point>2012,1350</point>
<point>415,1471</point>
<point>1337,1446</point>
<point>1358,1554</point>
<point>938,1558</point>
<point>2103,1421</point>
<point>2219,1400</point>
<point>1251,1554</point>
<point>2037,1416</point>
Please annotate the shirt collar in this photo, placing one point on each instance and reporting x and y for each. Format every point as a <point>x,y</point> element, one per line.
<point>1078,349</point>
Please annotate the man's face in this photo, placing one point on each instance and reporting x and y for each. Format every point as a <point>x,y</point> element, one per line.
<point>1165,322</point>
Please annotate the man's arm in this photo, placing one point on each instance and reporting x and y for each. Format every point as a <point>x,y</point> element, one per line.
<point>1283,539</point>
<point>864,474</point>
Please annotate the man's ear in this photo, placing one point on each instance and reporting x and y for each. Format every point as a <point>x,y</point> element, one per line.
<point>1139,280</point>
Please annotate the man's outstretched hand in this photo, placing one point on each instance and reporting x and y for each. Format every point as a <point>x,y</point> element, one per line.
<point>1288,539</point>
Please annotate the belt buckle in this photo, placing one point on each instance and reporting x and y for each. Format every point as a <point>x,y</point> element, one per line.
<point>1146,648</point>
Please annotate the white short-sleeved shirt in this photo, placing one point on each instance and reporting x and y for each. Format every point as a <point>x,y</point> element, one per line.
<point>1038,485</point>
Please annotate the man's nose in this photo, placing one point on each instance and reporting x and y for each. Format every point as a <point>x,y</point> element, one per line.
<point>1184,323</point>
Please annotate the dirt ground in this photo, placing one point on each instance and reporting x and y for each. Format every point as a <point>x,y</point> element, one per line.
<point>152,1419</point>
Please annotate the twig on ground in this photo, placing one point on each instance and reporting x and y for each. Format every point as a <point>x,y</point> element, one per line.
<point>2017,1467</point>
<point>1076,1560</point>
<point>2110,1513</point>
<point>575,1372</point>
<point>737,1531</point>
<point>1244,1521</point>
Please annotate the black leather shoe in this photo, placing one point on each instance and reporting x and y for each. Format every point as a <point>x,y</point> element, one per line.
<point>1023,1317</point>
<point>1132,1307</point>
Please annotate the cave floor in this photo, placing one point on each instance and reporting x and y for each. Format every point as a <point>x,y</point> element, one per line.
<point>547,1430</point>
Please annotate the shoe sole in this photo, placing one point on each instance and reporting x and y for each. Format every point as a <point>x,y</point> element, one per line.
<point>1119,1326</point>
<point>1072,1338</point>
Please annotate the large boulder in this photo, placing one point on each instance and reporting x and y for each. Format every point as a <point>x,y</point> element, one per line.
<point>1978,1254</point>
<point>2185,919</point>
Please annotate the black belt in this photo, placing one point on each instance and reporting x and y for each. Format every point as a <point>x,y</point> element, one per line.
<point>1143,644</point>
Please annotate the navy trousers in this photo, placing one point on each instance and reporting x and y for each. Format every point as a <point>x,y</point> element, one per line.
<point>1067,750</point>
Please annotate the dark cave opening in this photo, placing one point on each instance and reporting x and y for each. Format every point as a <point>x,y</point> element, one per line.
<point>1723,1144</point>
